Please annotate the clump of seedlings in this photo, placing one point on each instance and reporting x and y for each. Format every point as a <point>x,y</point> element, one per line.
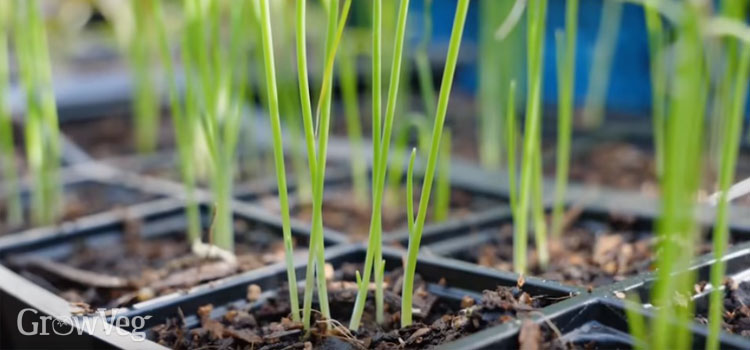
<point>141,48</point>
<point>348,81</point>
<point>14,209</point>
<point>497,67</point>
<point>183,119</point>
<point>365,304</point>
<point>374,263</point>
<point>381,136</point>
<point>566,50</point>
<point>677,228</point>
<point>415,234</point>
<point>530,186</point>
<point>41,128</point>
<point>332,294</point>
<point>604,49</point>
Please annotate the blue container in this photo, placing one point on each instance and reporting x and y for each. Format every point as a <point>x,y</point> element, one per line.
<point>629,89</point>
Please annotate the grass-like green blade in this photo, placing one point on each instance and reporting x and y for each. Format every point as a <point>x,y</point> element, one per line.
<point>604,49</point>
<point>348,78</point>
<point>41,128</point>
<point>677,229</point>
<point>145,98</point>
<point>381,149</point>
<point>278,152</point>
<point>183,133</point>
<point>566,51</point>
<point>537,13</point>
<point>445,88</point>
<point>14,209</point>
<point>729,150</point>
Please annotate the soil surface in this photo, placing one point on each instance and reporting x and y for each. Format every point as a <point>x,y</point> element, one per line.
<point>165,165</point>
<point>138,269</point>
<point>265,324</point>
<point>589,253</point>
<point>344,214</point>
<point>736,308</point>
<point>82,199</point>
<point>616,164</point>
<point>627,166</point>
<point>114,134</point>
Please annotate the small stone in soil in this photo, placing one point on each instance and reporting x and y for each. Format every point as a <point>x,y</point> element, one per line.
<point>253,292</point>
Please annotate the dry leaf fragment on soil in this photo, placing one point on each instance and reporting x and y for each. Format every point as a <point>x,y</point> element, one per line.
<point>70,273</point>
<point>530,337</point>
<point>197,274</point>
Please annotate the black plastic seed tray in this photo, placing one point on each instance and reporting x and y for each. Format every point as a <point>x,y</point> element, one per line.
<point>157,219</point>
<point>489,199</point>
<point>450,281</point>
<point>85,192</point>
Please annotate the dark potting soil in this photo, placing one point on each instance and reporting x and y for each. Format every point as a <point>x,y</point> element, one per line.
<point>736,308</point>
<point>114,135</point>
<point>589,253</point>
<point>165,165</point>
<point>628,166</point>
<point>342,212</point>
<point>615,164</point>
<point>135,269</point>
<point>82,199</point>
<point>265,324</point>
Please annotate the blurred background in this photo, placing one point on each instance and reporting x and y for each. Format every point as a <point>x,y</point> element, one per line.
<point>89,42</point>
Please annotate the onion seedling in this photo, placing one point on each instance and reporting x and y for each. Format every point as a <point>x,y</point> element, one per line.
<point>145,98</point>
<point>381,146</point>
<point>498,64</point>
<point>348,80</point>
<point>604,49</point>
<point>182,126</point>
<point>537,10</point>
<point>419,123</point>
<point>278,152</point>
<point>729,149</point>
<point>656,41</point>
<point>317,158</point>
<point>427,90</point>
<point>443,180</point>
<point>677,228</point>
<point>14,209</point>
<point>422,61</point>
<point>289,99</point>
<point>537,207</point>
<point>490,81</point>
<point>566,51</point>
<point>415,234</point>
<point>733,10</point>
<point>510,138</point>
<point>42,133</point>
<point>209,64</point>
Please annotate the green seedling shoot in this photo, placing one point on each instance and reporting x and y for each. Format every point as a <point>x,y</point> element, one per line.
<point>182,124</point>
<point>566,50</point>
<point>537,11</point>
<point>381,136</point>
<point>145,97</point>
<point>415,234</point>
<point>604,49</point>
<point>42,133</point>
<point>14,209</point>
<point>317,155</point>
<point>348,79</point>
<point>729,150</point>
